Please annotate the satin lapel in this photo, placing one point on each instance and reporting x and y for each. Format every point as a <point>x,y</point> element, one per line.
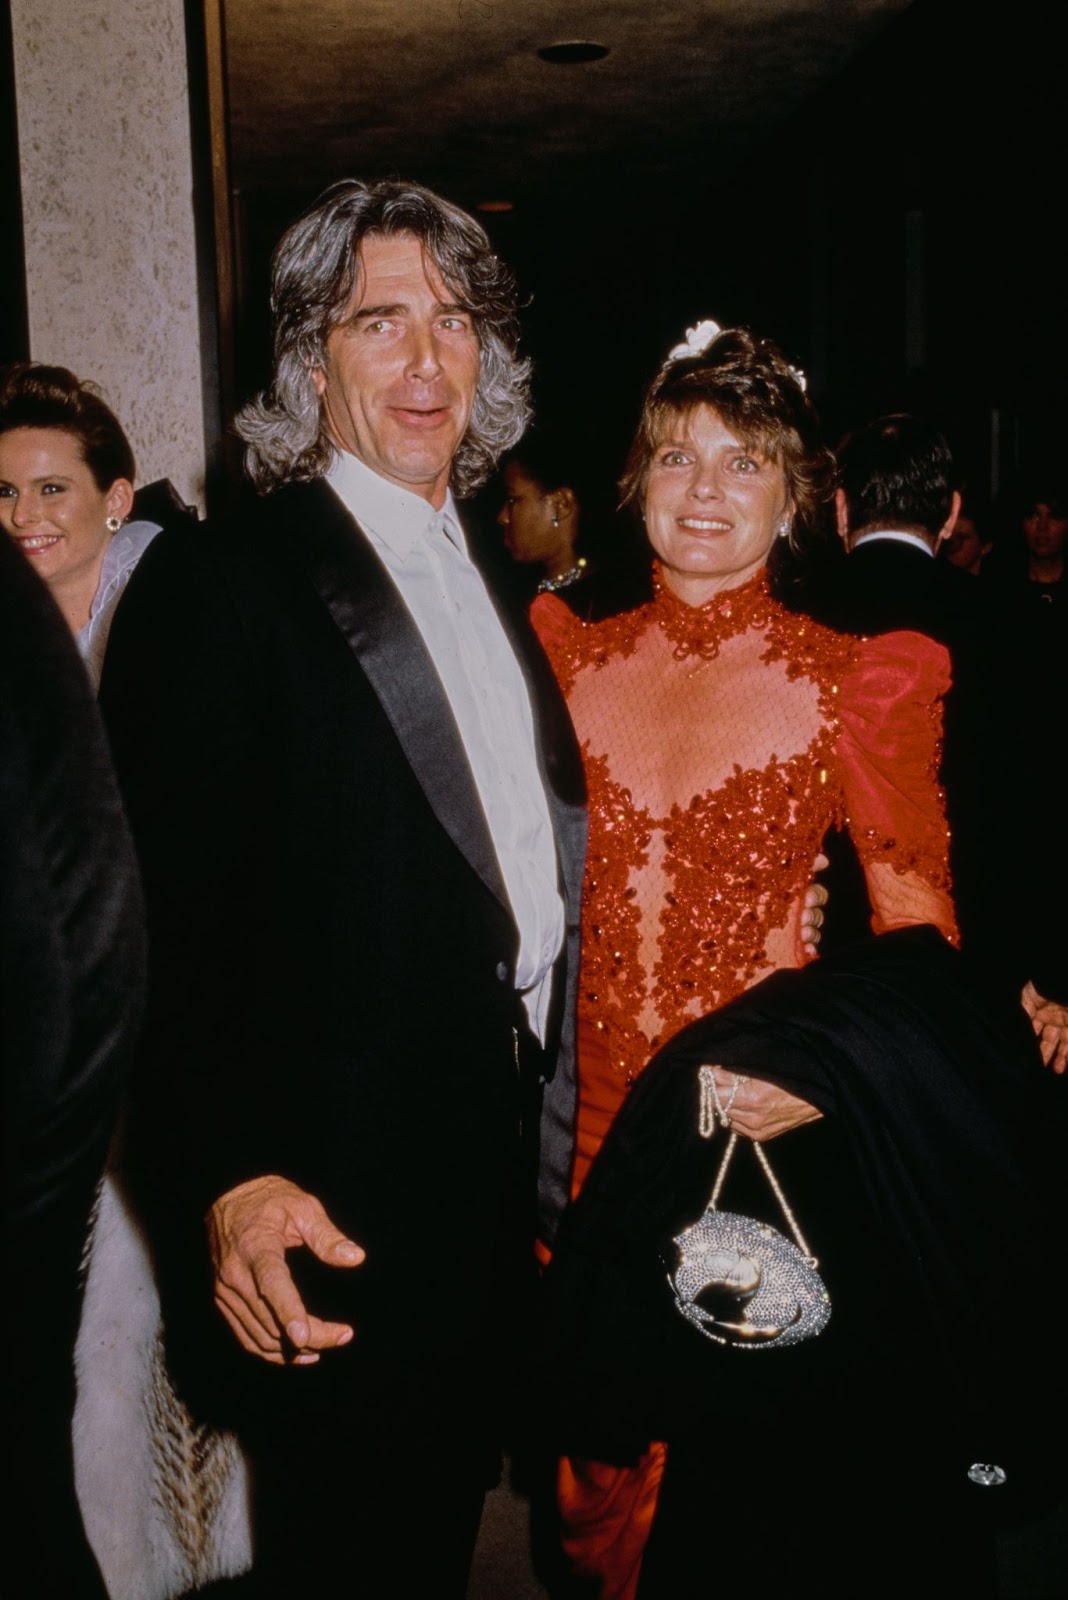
<point>365,605</point>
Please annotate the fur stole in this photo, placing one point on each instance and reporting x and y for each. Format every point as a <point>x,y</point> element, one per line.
<point>164,1500</point>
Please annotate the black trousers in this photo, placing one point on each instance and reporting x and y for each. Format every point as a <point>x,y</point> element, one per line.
<point>371,1515</point>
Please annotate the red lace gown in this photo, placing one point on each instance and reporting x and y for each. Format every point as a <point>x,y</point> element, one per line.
<point>720,742</point>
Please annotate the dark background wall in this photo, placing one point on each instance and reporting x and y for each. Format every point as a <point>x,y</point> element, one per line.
<point>897,238</point>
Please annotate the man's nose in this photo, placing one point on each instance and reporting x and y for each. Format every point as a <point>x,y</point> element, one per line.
<point>423,360</point>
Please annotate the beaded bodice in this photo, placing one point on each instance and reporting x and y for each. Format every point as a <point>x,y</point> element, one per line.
<point>720,743</point>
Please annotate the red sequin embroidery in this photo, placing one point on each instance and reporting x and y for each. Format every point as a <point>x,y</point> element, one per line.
<point>716,760</point>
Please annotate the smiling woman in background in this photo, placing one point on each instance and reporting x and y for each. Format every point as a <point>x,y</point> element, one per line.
<point>66,490</point>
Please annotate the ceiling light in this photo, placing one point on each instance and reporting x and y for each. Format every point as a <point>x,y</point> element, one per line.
<point>565,52</point>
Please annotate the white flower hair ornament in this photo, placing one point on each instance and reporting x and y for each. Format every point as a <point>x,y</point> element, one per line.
<point>696,342</point>
<point>700,338</point>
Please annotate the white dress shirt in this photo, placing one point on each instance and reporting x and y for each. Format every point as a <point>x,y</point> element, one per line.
<point>425,554</point>
<point>896,536</point>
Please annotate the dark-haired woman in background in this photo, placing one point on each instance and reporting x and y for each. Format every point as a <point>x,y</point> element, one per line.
<point>545,513</point>
<point>1045,531</point>
<point>541,515</point>
<point>66,492</point>
<point>722,734</point>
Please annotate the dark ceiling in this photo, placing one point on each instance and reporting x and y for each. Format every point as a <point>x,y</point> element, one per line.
<point>454,91</point>
<point>870,182</point>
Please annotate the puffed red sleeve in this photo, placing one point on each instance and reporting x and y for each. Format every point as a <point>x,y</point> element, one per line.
<point>890,708</point>
<point>560,632</point>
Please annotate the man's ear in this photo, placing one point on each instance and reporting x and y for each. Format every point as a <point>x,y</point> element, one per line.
<point>841,516</point>
<point>951,521</point>
<point>319,380</point>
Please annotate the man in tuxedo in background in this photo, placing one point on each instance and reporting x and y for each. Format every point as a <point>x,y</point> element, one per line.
<point>896,501</point>
<point>358,806</point>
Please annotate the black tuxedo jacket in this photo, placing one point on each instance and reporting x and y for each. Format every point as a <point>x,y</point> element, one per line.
<point>332,950</point>
<point>884,585</point>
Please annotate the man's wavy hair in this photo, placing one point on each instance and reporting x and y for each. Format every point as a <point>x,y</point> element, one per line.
<point>313,276</point>
<point>750,385</point>
<point>897,471</point>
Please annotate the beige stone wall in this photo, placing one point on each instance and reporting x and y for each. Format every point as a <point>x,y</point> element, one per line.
<point>104,150</point>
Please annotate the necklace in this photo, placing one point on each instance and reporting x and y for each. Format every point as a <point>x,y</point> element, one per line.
<point>550,585</point>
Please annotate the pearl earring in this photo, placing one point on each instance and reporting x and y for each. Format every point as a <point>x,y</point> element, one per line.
<point>113,524</point>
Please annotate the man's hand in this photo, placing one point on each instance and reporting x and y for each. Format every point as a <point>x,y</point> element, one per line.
<point>812,911</point>
<point>760,1110</point>
<point>250,1228</point>
<point>1050,1022</point>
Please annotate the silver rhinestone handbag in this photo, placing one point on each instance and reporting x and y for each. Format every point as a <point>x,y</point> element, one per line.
<point>740,1281</point>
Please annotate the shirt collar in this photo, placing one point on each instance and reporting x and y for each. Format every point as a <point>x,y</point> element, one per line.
<point>898,535</point>
<point>126,548</point>
<point>398,518</point>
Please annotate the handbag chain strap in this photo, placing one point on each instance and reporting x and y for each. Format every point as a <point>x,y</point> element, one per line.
<point>708,1128</point>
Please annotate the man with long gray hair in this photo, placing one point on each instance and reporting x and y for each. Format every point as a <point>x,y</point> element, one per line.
<point>359,811</point>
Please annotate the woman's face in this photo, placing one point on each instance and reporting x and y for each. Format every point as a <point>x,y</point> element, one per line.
<point>51,507</point>
<point>527,518</point>
<point>712,506</point>
<point>1044,529</point>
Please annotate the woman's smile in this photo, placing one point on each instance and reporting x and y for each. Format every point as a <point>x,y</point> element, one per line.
<point>713,505</point>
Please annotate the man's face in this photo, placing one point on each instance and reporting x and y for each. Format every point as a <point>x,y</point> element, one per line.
<point>400,370</point>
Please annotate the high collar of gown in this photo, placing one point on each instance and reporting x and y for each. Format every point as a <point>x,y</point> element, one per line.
<point>700,630</point>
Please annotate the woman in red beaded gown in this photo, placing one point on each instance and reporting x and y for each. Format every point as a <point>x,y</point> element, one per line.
<point>722,734</point>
